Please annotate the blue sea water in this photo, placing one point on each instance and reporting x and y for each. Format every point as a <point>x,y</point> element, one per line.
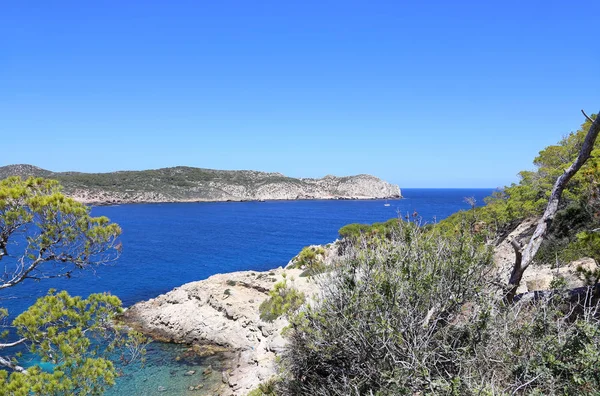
<point>167,245</point>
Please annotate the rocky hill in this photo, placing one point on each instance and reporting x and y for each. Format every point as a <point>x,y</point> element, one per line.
<point>187,184</point>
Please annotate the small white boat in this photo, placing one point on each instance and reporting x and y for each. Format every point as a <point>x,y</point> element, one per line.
<point>386,203</point>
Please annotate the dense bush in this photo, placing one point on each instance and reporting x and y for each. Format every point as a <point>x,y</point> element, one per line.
<point>543,350</point>
<point>384,321</point>
<point>417,315</point>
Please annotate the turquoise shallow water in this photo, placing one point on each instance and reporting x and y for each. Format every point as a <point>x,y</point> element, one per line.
<point>167,245</point>
<point>168,371</point>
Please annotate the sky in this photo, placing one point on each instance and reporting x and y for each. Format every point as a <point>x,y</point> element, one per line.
<point>422,93</point>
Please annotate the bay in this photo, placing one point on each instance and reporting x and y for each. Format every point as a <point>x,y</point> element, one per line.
<point>167,245</point>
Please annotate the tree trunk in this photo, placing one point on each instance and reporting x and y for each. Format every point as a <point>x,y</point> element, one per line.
<point>524,256</point>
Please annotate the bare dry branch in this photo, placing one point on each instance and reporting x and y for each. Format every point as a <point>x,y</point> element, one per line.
<point>12,344</point>
<point>529,251</point>
<point>586,116</point>
<point>7,363</point>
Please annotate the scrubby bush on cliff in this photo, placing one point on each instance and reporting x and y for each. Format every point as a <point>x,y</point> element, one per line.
<point>311,259</point>
<point>548,347</point>
<point>44,234</point>
<point>394,318</point>
<point>589,244</point>
<point>367,235</point>
<point>357,231</point>
<point>283,300</point>
<point>418,316</point>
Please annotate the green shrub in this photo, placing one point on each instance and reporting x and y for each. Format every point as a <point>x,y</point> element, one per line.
<point>555,353</point>
<point>385,317</point>
<point>283,300</point>
<point>418,315</point>
<point>415,310</point>
<point>315,270</point>
<point>311,259</point>
<point>355,232</point>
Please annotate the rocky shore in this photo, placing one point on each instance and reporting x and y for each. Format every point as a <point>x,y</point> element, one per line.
<point>220,315</point>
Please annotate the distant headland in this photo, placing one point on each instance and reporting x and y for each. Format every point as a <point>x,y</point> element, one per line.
<point>188,184</point>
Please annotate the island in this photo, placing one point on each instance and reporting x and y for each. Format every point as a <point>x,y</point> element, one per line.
<point>188,184</point>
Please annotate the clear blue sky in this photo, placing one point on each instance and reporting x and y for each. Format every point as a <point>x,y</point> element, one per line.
<point>423,93</point>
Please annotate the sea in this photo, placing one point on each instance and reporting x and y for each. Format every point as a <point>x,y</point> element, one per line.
<point>167,245</point>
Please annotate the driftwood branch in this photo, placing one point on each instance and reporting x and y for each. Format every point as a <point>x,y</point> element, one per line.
<point>524,257</point>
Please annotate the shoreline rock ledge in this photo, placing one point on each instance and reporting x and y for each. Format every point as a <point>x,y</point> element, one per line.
<point>220,315</point>
<point>187,184</point>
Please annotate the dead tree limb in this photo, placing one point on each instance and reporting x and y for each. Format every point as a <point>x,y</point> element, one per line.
<point>524,256</point>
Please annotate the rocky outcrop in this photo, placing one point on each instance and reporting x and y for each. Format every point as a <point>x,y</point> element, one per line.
<point>186,184</point>
<point>222,312</point>
<point>539,276</point>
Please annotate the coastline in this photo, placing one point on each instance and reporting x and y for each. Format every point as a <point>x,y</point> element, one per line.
<point>219,317</point>
<point>223,325</point>
<point>134,201</point>
<point>188,184</point>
